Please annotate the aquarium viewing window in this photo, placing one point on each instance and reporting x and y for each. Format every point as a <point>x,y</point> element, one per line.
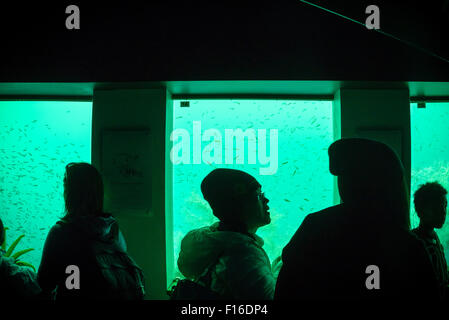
<point>430,154</point>
<point>37,140</point>
<point>282,143</point>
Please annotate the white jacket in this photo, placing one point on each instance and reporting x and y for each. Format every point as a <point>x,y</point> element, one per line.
<point>243,270</point>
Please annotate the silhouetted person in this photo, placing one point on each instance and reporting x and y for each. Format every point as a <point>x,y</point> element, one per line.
<point>430,205</point>
<point>239,266</point>
<point>361,248</point>
<point>84,256</point>
<point>16,282</point>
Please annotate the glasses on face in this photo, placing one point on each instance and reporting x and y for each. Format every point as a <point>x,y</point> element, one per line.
<point>260,195</point>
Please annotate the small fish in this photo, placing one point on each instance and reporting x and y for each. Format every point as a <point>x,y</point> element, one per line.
<point>286,200</point>
<point>306,199</point>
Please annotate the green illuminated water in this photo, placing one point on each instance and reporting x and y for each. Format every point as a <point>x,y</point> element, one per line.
<point>302,183</point>
<point>430,155</point>
<point>37,140</point>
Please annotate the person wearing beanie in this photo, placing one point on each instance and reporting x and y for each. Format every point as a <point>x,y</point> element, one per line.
<point>229,250</point>
<point>363,247</point>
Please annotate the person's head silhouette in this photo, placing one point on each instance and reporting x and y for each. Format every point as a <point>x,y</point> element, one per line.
<point>83,190</point>
<point>371,177</point>
<point>236,198</point>
<point>430,204</point>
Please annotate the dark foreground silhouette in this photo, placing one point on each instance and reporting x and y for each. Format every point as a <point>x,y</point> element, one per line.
<point>361,248</point>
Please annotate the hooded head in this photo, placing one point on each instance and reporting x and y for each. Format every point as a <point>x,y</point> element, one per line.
<point>236,198</point>
<point>371,176</point>
<point>83,190</point>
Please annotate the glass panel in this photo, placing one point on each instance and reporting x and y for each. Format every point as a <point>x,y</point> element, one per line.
<point>37,140</point>
<point>430,154</point>
<point>293,169</point>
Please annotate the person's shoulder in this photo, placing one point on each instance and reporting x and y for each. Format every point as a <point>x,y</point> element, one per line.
<point>417,233</point>
<point>243,245</point>
<point>248,250</point>
<point>60,230</point>
<point>409,240</point>
<point>59,227</point>
<point>408,235</point>
<point>333,212</point>
<point>315,225</point>
<point>200,233</point>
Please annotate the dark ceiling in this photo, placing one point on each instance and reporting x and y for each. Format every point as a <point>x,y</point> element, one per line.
<point>225,40</point>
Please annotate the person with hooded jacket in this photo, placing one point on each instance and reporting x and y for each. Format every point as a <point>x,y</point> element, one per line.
<point>229,249</point>
<point>361,248</point>
<point>71,242</point>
